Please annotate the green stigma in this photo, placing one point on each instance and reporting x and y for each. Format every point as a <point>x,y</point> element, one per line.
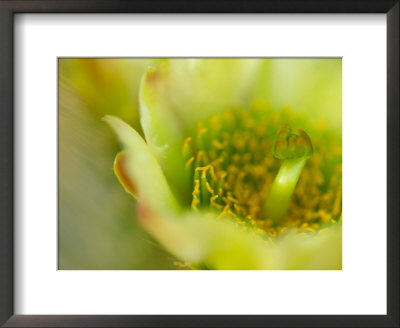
<point>293,148</point>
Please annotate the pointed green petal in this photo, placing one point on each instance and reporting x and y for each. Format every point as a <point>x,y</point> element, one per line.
<point>142,167</point>
<point>162,131</point>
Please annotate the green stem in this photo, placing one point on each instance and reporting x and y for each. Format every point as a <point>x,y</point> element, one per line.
<point>282,189</point>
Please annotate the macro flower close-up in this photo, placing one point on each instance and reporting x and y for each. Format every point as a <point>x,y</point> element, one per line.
<point>237,163</point>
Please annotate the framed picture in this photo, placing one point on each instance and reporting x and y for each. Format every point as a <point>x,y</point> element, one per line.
<point>199,164</point>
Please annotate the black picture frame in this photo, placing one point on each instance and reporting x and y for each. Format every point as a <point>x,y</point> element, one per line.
<point>7,11</point>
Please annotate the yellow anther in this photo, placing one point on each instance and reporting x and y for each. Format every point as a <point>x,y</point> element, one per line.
<point>233,200</point>
<point>202,130</point>
<point>224,212</point>
<point>211,190</point>
<point>185,147</point>
<point>213,203</point>
<point>212,172</point>
<point>222,174</point>
<point>337,203</point>
<point>195,202</point>
<point>196,190</point>
<point>232,213</point>
<point>203,170</point>
<point>200,155</point>
<point>189,161</point>
<point>218,144</point>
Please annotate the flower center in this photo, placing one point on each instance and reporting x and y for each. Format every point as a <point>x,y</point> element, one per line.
<point>231,167</point>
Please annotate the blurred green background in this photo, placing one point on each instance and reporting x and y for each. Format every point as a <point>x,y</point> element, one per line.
<point>97,228</point>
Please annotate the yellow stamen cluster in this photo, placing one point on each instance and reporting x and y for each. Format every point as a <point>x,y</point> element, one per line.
<point>232,166</point>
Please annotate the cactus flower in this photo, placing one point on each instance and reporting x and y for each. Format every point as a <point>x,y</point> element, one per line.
<point>224,181</point>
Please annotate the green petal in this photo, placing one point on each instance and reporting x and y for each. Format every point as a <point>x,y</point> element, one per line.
<point>312,86</point>
<point>204,241</point>
<point>162,131</point>
<point>142,167</point>
<point>321,251</point>
<point>199,88</point>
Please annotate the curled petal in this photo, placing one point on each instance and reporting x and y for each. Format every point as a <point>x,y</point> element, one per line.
<point>142,168</point>
<point>120,170</point>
